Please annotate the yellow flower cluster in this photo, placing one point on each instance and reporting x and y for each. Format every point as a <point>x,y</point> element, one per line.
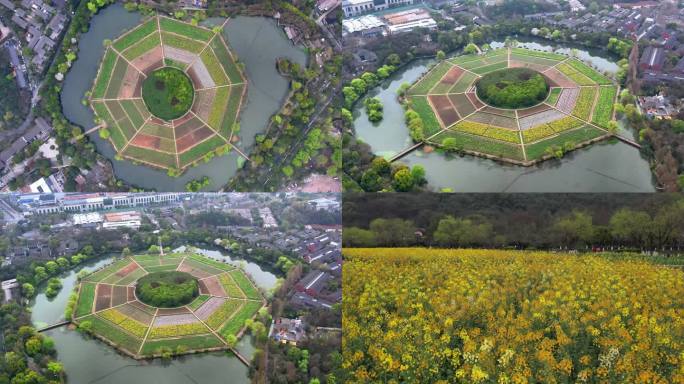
<point>178,330</point>
<point>491,316</point>
<point>129,324</point>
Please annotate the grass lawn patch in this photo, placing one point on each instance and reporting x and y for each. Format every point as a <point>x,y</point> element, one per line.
<point>86,298</point>
<point>201,299</point>
<point>245,284</point>
<point>187,30</point>
<point>135,35</point>
<point>603,112</point>
<point>538,150</point>
<point>152,347</point>
<point>104,74</point>
<point>247,311</point>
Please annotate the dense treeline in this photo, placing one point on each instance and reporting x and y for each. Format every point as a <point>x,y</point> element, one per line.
<point>28,357</point>
<point>645,222</point>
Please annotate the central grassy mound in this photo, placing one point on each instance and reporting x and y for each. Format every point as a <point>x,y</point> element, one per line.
<point>513,88</point>
<point>168,93</point>
<point>167,289</point>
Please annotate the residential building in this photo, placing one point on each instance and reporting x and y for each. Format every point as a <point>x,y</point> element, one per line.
<point>652,59</point>
<point>287,331</point>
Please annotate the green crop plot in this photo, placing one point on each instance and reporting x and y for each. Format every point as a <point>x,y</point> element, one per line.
<point>430,79</point>
<point>603,112</point>
<point>135,35</point>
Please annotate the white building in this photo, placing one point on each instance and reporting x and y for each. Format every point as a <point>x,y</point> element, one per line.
<point>365,25</point>
<point>408,20</point>
<point>129,219</point>
<point>356,7</point>
<point>9,286</point>
<point>267,217</point>
<point>83,202</point>
<point>86,218</point>
<point>353,8</point>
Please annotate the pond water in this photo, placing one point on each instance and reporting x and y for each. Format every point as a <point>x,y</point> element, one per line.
<point>258,43</point>
<point>87,360</point>
<point>610,166</point>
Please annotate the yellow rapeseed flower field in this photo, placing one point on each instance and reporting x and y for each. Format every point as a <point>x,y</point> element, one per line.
<point>488,316</point>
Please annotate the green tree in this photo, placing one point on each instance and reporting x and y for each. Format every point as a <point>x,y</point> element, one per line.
<point>462,231</point>
<point>393,232</point>
<point>403,180</point>
<point>470,49</point>
<point>575,228</point>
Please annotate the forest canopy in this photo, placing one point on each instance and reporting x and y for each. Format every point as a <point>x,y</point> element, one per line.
<point>513,88</point>
<point>167,289</point>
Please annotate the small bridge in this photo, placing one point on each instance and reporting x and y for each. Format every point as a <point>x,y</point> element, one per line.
<point>53,326</point>
<point>240,357</point>
<point>628,141</point>
<point>405,152</point>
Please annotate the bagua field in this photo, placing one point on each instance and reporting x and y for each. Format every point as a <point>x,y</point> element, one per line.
<point>577,109</point>
<point>168,94</point>
<point>108,307</point>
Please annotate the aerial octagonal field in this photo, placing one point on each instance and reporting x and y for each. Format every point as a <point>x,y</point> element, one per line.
<point>575,113</point>
<point>109,306</point>
<point>169,93</point>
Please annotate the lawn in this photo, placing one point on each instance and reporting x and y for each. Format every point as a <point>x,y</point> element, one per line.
<point>222,313</point>
<point>143,46</point>
<point>576,136</point>
<point>86,297</point>
<point>553,96</point>
<point>117,75</point>
<point>104,74</point>
<point>464,82</point>
<point>230,286</point>
<point>162,159</point>
<point>132,112</point>
<point>245,285</point>
<point>585,102</point>
<point>232,111</point>
<point>482,145</point>
<point>190,343</point>
<point>490,68</point>
<point>135,35</point>
<point>108,270</point>
<point>112,333</point>
<point>214,67</point>
<point>187,30</point>
<point>603,112</point>
<point>247,311</point>
<point>428,81</point>
<point>213,263</point>
<point>218,107</point>
<point>195,153</point>
<point>542,54</point>
<point>226,60</point>
<point>198,302</point>
<point>423,108</point>
<point>589,72</point>
<point>181,42</point>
